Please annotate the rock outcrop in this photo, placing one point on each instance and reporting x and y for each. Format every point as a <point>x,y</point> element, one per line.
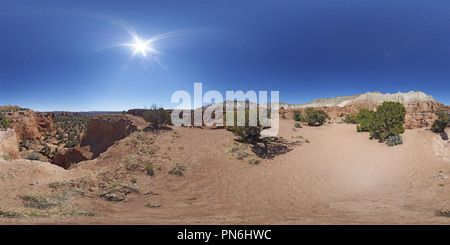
<point>103,131</point>
<point>66,157</point>
<point>8,144</point>
<point>29,124</point>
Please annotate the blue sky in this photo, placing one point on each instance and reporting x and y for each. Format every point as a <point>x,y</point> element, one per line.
<point>65,55</point>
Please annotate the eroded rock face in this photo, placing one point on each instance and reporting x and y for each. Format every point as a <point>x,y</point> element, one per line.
<point>66,157</point>
<point>30,124</point>
<point>103,131</point>
<point>8,144</point>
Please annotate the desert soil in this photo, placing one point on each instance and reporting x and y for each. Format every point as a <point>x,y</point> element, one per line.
<point>339,177</point>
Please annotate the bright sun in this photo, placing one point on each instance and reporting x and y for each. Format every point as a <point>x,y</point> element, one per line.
<point>141,47</point>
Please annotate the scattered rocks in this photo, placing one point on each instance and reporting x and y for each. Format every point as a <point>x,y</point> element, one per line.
<point>34,183</point>
<point>150,205</point>
<point>113,197</point>
<point>439,176</point>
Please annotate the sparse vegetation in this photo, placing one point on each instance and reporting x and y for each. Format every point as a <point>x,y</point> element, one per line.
<point>157,117</point>
<point>297,125</point>
<point>6,157</point>
<point>39,201</point>
<point>70,128</point>
<point>253,161</point>
<point>34,156</point>
<point>393,140</point>
<point>149,168</point>
<point>177,169</point>
<point>4,122</point>
<point>247,133</point>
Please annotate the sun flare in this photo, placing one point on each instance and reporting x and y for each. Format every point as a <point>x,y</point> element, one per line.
<point>142,47</point>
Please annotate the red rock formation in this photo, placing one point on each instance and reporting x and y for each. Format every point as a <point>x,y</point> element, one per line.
<point>8,144</point>
<point>66,157</point>
<point>30,124</point>
<point>103,131</point>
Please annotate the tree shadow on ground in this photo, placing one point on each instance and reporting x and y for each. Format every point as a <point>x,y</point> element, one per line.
<point>158,130</point>
<point>270,148</point>
<point>444,135</point>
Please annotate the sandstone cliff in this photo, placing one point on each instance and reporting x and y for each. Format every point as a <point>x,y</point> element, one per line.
<point>103,131</point>
<point>29,124</point>
<point>8,144</point>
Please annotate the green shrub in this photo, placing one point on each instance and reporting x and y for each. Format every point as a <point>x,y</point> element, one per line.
<point>297,116</point>
<point>253,161</point>
<point>34,156</point>
<point>4,122</point>
<point>6,157</point>
<point>353,119</point>
<point>365,118</point>
<point>388,120</point>
<point>441,122</point>
<point>314,117</point>
<point>247,133</point>
<point>157,117</point>
<point>177,169</point>
<point>149,168</point>
<point>394,140</point>
<point>297,125</point>
<point>241,155</point>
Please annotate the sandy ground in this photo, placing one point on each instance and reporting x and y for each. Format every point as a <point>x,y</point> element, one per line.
<point>339,177</point>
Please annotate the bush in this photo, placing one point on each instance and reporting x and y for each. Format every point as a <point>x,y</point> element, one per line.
<point>313,117</point>
<point>177,169</point>
<point>34,156</point>
<point>394,140</point>
<point>4,122</point>
<point>353,119</point>
<point>441,122</point>
<point>297,125</point>
<point>385,122</point>
<point>249,134</point>
<point>365,118</point>
<point>253,161</point>
<point>149,168</point>
<point>6,157</point>
<point>388,120</point>
<point>297,116</point>
<point>157,118</point>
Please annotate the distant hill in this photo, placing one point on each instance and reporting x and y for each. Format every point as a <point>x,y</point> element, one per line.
<point>374,97</point>
<point>87,112</point>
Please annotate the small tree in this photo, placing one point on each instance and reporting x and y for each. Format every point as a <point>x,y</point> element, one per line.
<point>313,116</point>
<point>365,118</point>
<point>4,122</point>
<point>297,116</point>
<point>248,133</point>
<point>388,120</point>
<point>157,117</point>
<point>353,119</point>
<point>441,122</point>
